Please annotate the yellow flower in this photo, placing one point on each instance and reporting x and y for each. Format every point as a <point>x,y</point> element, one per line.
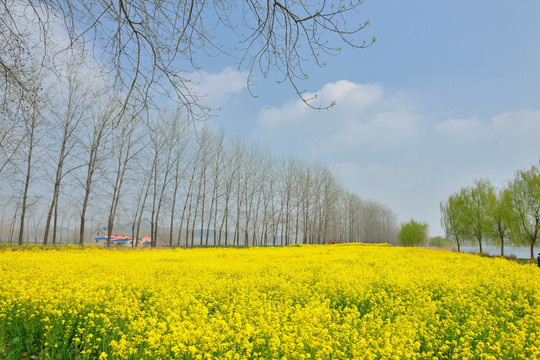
<point>311,302</point>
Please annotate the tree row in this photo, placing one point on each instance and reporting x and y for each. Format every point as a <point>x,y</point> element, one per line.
<point>483,214</point>
<point>76,164</point>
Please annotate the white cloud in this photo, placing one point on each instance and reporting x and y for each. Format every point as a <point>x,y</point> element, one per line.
<point>344,91</point>
<point>458,127</point>
<point>214,88</point>
<point>506,126</point>
<point>519,123</point>
<point>297,118</point>
<point>364,116</point>
<point>289,119</point>
<point>385,148</point>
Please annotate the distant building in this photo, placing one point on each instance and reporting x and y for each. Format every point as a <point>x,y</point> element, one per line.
<point>334,241</point>
<point>123,240</point>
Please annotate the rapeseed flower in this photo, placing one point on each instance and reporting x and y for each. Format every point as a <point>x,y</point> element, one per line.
<point>347,301</point>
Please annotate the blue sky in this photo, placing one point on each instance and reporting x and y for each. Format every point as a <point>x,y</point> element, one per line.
<point>449,93</point>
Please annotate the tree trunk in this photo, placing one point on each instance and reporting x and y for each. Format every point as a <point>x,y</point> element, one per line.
<point>49,215</point>
<point>26,182</point>
<point>203,203</point>
<point>173,206</point>
<point>12,230</point>
<point>86,198</point>
<point>55,223</point>
<point>110,229</point>
<point>480,245</point>
<point>182,221</point>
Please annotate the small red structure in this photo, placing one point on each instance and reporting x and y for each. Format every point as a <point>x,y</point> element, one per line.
<point>146,241</point>
<point>124,240</point>
<point>334,241</point>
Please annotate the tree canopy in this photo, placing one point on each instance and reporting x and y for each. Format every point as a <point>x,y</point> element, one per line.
<point>483,213</point>
<point>148,48</point>
<point>525,202</point>
<point>413,233</point>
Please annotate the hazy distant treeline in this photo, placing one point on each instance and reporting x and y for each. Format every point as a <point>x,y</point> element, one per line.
<point>75,160</point>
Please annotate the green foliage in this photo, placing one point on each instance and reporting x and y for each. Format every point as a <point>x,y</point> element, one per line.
<point>413,233</point>
<point>500,217</point>
<point>483,213</point>
<point>525,203</point>
<point>453,214</point>
<point>439,241</point>
<point>476,214</point>
<point>476,222</point>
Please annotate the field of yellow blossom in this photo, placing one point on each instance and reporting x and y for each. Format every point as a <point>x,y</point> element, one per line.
<point>308,302</point>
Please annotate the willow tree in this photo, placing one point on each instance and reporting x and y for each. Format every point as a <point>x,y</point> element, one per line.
<point>453,212</point>
<point>501,220</point>
<point>525,195</point>
<point>476,221</point>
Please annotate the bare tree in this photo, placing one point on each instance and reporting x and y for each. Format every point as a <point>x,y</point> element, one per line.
<point>147,46</point>
<point>180,168</point>
<point>205,141</point>
<point>98,128</point>
<point>189,196</point>
<point>163,135</point>
<point>217,155</point>
<point>287,170</point>
<point>141,203</point>
<point>31,122</point>
<point>124,151</point>
<point>239,188</point>
<point>267,194</point>
<point>232,166</point>
<point>69,118</point>
<point>249,175</point>
<point>261,171</point>
<point>21,104</point>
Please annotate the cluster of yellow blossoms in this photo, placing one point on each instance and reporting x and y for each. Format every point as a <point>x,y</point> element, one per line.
<point>308,302</point>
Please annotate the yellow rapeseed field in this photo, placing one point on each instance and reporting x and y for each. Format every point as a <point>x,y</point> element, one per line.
<point>308,302</point>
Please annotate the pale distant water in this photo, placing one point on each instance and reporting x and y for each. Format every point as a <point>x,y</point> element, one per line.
<point>519,252</point>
